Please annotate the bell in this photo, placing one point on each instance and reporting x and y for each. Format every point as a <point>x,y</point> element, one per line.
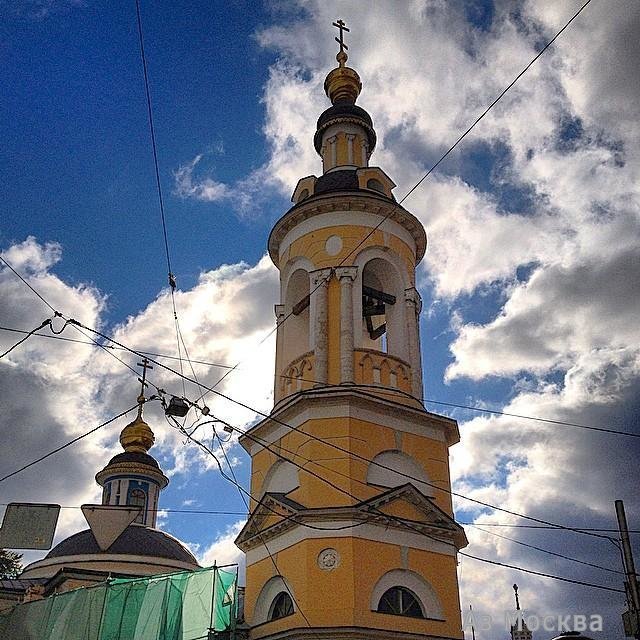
<point>177,407</point>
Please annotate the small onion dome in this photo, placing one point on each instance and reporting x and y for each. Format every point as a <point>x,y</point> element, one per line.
<point>137,436</point>
<point>342,85</point>
<point>572,635</point>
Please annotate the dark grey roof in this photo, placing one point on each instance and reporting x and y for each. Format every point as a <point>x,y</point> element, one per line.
<point>338,112</point>
<point>571,635</point>
<point>135,540</point>
<point>20,584</point>
<point>342,180</point>
<point>132,456</point>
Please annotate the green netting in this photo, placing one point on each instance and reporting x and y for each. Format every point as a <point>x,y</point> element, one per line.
<point>179,606</point>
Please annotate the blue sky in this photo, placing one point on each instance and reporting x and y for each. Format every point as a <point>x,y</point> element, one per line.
<point>528,283</point>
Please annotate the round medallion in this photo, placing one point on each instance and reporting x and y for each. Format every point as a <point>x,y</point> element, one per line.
<point>328,559</point>
<point>333,245</point>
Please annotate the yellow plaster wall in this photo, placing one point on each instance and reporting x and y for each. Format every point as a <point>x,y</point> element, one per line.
<point>347,472</point>
<point>342,597</point>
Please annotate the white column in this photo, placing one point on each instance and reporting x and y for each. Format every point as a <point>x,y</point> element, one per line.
<point>365,154</point>
<point>413,307</point>
<point>333,150</point>
<point>350,138</point>
<point>279,311</point>
<point>319,285</point>
<point>346,275</point>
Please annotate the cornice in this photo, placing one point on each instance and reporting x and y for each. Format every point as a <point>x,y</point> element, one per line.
<point>345,201</point>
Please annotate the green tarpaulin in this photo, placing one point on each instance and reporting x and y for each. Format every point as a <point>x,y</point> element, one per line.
<point>177,606</point>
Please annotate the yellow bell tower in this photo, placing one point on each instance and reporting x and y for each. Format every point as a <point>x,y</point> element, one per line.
<point>351,533</point>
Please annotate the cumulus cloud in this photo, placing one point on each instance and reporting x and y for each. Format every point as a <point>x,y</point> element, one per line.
<point>551,230</point>
<point>223,550</point>
<point>55,390</point>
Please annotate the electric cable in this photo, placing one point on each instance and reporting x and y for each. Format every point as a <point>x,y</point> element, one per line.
<point>6,262</point>
<point>395,206</point>
<point>547,551</point>
<point>288,426</point>
<point>378,390</point>
<point>408,524</point>
<point>68,444</point>
<point>43,324</point>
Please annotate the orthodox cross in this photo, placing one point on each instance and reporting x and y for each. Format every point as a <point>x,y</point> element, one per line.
<point>515,588</point>
<point>145,365</point>
<point>341,25</point>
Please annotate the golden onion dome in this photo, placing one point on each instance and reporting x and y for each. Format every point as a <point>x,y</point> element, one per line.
<point>137,436</point>
<point>342,85</point>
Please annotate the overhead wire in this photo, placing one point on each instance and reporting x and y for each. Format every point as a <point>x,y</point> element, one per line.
<point>43,324</point>
<point>333,445</point>
<point>378,390</point>
<point>412,525</point>
<point>67,444</point>
<point>547,551</point>
<point>396,205</point>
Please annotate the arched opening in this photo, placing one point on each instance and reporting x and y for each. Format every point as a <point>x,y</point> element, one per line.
<point>271,600</point>
<point>296,328</point>
<point>406,593</point>
<point>400,601</point>
<point>281,607</point>
<point>138,498</point>
<point>394,468</point>
<point>282,477</point>
<point>382,308</point>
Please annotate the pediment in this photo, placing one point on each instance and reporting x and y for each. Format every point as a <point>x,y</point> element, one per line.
<point>273,509</point>
<point>408,503</point>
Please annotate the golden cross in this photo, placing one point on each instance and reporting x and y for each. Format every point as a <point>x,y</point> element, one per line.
<point>341,25</point>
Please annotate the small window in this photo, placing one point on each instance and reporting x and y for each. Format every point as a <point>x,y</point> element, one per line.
<point>376,185</point>
<point>137,498</point>
<point>281,607</point>
<point>399,601</point>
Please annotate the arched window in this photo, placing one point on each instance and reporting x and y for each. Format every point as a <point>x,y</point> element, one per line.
<point>406,593</point>
<point>394,468</point>
<point>399,601</point>
<point>296,328</point>
<point>281,606</point>
<point>137,498</point>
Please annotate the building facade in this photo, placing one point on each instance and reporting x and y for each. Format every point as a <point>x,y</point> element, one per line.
<point>351,532</point>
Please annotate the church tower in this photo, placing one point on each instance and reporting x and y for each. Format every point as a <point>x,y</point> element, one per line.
<point>351,532</point>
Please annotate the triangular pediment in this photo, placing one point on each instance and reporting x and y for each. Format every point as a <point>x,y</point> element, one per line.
<point>406,504</point>
<point>273,509</point>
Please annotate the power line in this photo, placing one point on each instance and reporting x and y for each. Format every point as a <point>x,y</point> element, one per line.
<point>409,524</point>
<point>378,390</point>
<point>335,446</point>
<point>67,444</point>
<point>44,323</point>
<point>540,573</point>
<point>6,262</point>
<point>547,551</point>
<point>424,177</point>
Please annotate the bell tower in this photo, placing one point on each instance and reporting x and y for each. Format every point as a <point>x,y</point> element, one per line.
<point>351,530</point>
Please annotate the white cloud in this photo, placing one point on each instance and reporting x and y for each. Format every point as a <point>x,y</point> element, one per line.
<point>223,551</point>
<point>205,189</point>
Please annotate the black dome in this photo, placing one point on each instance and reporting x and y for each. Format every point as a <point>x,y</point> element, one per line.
<point>343,110</point>
<point>135,540</point>
<point>133,456</point>
<point>338,112</point>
